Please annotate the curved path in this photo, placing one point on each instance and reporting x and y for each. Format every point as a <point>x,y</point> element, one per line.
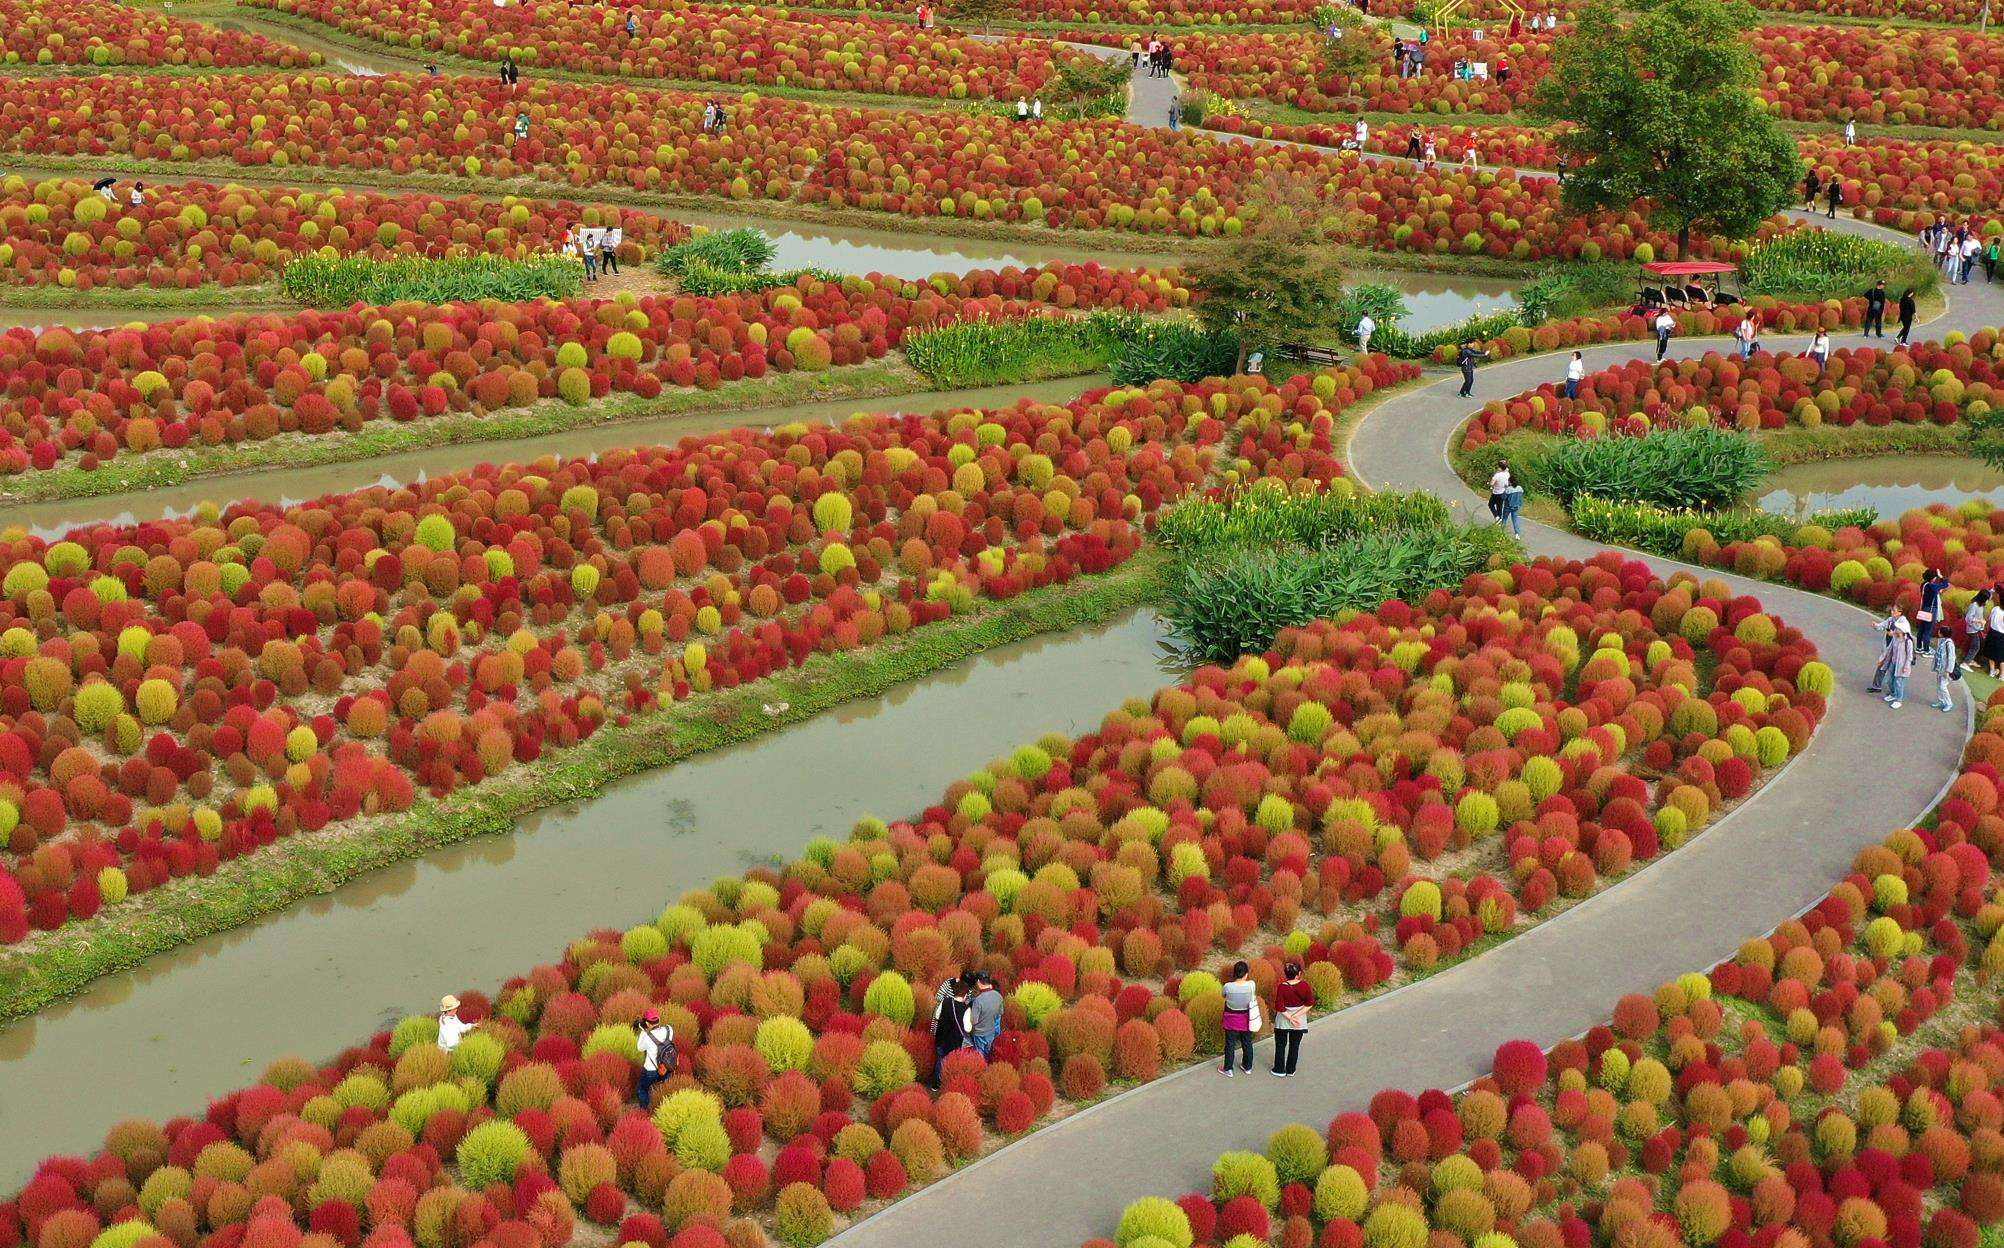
<point>1766,861</point>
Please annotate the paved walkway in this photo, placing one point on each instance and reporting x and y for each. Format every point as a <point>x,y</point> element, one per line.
<point>1765,862</point>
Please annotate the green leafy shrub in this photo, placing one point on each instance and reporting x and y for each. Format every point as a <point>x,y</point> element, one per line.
<point>1176,350</point>
<point>727,262</point>
<point>1661,530</point>
<point>987,353</point>
<point>1813,264</point>
<point>1242,1173</point>
<point>801,1218</point>
<point>323,283</point>
<point>1677,468</point>
<point>1268,514</point>
<point>1154,1217</point>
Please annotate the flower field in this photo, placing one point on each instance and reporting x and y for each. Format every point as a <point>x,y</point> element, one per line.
<point>103,35</point>
<point>734,46</point>
<point>1091,13</point>
<point>1093,875</point>
<point>1927,382</point>
<point>82,397</point>
<point>1584,331</point>
<point>1288,69</point>
<point>223,681</point>
<point>1084,175</point>
<point>1788,1097</point>
<point>58,232</point>
<point>1955,12</point>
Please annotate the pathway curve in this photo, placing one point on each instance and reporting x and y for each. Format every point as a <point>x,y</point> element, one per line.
<point>1766,861</point>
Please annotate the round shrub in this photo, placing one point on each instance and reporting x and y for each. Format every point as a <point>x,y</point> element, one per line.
<point>1340,1192</point>
<point>785,1043</point>
<point>890,996</point>
<point>1298,1153</point>
<point>801,1217</point>
<point>1241,1173</point>
<point>1153,1217</point>
<point>491,1153</point>
<point>884,1067</point>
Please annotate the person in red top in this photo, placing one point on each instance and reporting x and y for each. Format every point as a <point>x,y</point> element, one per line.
<point>1292,998</point>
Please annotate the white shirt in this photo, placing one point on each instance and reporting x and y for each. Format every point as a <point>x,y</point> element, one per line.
<point>1363,132</point>
<point>1997,618</point>
<point>1665,321</point>
<point>592,237</point>
<point>649,1042</point>
<point>1037,108</point>
<point>451,1030</point>
<point>613,238</point>
<point>1365,328</point>
<point>1575,369</point>
<point>1499,481</point>
<point>1820,345</point>
<point>138,198</point>
<point>1971,247</point>
<point>1973,617</point>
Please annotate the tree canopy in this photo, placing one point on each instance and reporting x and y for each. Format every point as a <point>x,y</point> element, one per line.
<point>1274,283</point>
<point>1664,108</point>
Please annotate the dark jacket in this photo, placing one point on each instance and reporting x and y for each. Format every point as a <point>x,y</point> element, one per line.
<point>1469,357</point>
<point>1875,299</point>
<point>1906,307</point>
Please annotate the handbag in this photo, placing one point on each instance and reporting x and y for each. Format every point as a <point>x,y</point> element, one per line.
<point>1236,1020</point>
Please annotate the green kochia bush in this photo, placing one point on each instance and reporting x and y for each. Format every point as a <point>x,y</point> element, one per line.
<point>491,1153</point>
<point>1679,468</point>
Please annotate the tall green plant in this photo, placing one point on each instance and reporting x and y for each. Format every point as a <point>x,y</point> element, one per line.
<point>323,283</point>
<point>1267,514</point>
<point>986,353</point>
<point>1675,468</point>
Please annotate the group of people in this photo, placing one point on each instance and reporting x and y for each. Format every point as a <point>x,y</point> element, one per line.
<point>511,73</point>
<point>966,1014</point>
<point>1029,110</point>
<point>1832,191</point>
<point>1158,55</point>
<point>597,247</point>
<point>1957,250</point>
<point>1875,312</point>
<point>107,188</point>
<point>1907,638</point>
<point>1243,1020</point>
<point>1506,496</point>
<point>1422,147</point>
<point>714,117</point>
<point>1409,55</point>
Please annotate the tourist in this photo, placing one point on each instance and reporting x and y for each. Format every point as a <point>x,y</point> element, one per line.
<point>1664,325</point>
<point>1896,659</point>
<point>1991,255</point>
<point>1834,195</point>
<point>709,116</point>
<point>138,196</point>
<point>1745,333</point>
<point>1944,239</point>
<point>1819,349</point>
<point>1975,622</point>
<point>108,187</point>
<point>1363,133</point>
<point>1850,131</point>
<point>1503,70</point>
<point>1933,585</point>
<point>1513,507</point>
<point>656,1042</point>
<point>1993,634</point>
<point>521,127</point>
<point>1946,669</point>
<point>608,248</point>
<point>1242,1021</point>
<point>1810,185</point>
<point>1575,374</point>
<point>1500,482</point>
<point>1292,998</point>
<point>451,1027</point>
<point>1022,109</point>
<point>632,25</point>
<point>1875,310</point>
<point>1134,61</point>
<point>587,248</point>
<point>952,1023</point>
<point>1366,326</point>
<point>1467,358</point>
<point>986,1008</point>
<point>1972,247</point>
<point>1432,153</point>
<point>1412,145</point>
<point>1175,113</point>
<point>1907,308</point>
<point>1037,109</point>
<point>1168,60</point>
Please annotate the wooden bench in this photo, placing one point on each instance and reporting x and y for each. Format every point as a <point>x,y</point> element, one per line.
<point>1312,354</point>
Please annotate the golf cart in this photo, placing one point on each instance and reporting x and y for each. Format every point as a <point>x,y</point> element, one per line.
<point>1685,284</point>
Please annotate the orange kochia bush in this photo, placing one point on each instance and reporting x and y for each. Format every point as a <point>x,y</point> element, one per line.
<point>734,46</point>
<point>1256,809</point>
<point>180,692</point>
<point>60,232</point>
<point>1782,1099</point>
<point>85,396</point>
<point>95,34</point>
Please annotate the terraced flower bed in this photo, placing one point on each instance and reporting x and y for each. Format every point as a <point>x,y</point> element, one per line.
<point>77,399</point>
<point>1832,1083</point>
<point>58,233</point>
<point>1374,797</point>
<point>99,34</point>
<point>732,45</point>
<point>978,169</point>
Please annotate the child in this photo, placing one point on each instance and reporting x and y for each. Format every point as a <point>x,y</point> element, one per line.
<point>1946,668</point>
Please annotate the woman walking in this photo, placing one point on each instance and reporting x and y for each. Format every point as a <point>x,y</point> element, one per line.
<point>1575,373</point>
<point>1975,622</point>
<point>1947,669</point>
<point>1291,999</point>
<point>1242,1021</point>
<point>1993,634</point>
<point>1933,586</point>
<point>1500,482</point>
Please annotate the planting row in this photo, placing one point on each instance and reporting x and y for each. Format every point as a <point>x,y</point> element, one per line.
<point>183,692</point>
<point>60,232</point>
<point>1775,316</point>
<point>1782,1099</point>
<point>1372,797</point>
<point>1927,382</point>
<point>102,33</point>
<point>733,46</point>
<point>1072,174</point>
<point>81,397</point>
<point>1828,74</point>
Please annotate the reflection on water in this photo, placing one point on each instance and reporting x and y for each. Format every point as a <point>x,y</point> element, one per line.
<point>1436,300</point>
<point>197,1022</point>
<point>1890,485</point>
<point>290,486</point>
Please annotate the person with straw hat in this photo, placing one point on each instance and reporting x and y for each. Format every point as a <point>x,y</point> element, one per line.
<point>451,1027</point>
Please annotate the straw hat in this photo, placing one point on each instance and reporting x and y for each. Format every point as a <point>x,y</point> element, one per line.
<point>447,1003</point>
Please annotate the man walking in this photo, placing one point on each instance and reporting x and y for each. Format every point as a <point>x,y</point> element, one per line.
<point>1366,326</point>
<point>1875,311</point>
<point>1665,325</point>
<point>987,1010</point>
<point>1906,315</point>
<point>1834,193</point>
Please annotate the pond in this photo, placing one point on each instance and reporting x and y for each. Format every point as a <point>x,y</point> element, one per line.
<point>1889,484</point>
<point>198,1022</point>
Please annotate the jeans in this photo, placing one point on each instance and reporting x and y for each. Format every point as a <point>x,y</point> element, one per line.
<point>984,1042</point>
<point>1242,1041</point>
<point>1662,343</point>
<point>645,1085</point>
<point>1572,388</point>
<point>1898,692</point>
<point>941,1050</point>
<point>1286,1050</point>
<point>1514,517</point>
<point>1880,675</point>
<point>1942,696</point>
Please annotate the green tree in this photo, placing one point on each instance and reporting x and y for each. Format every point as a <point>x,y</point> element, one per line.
<point>1663,108</point>
<point>1275,283</point>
